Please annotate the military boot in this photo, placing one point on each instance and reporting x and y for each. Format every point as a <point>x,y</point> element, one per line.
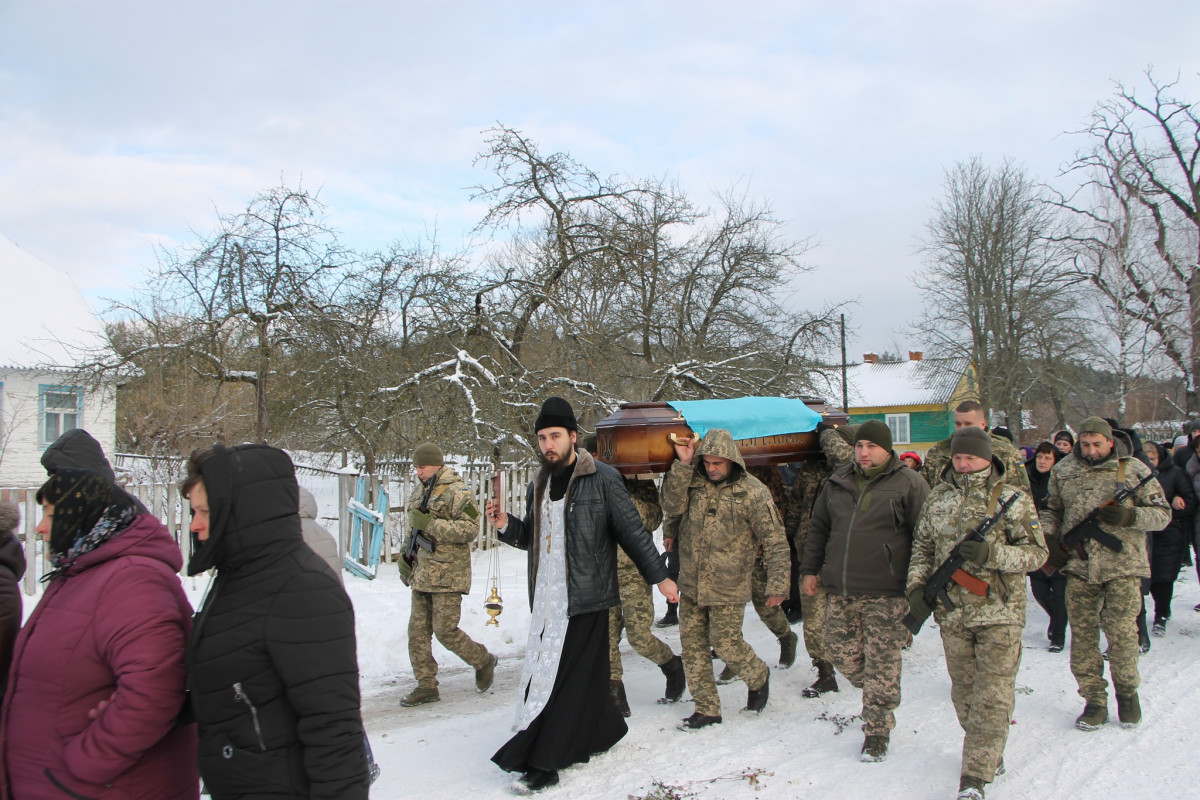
<point>697,721</point>
<point>756,699</point>
<point>874,749</point>
<point>970,788</point>
<point>787,649</point>
<point>485,675</point>
<point>1129,710</point>
<point>727,676</point>
<point>826,680</point>
<point>1094,715</point>
<point>670,618</point>
<point>420,696</point>
<point>616,690</point>
<point>673,670</point>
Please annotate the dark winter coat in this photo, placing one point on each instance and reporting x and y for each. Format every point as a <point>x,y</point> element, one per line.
<point>599,514</point>
<point>115,623</point>
<point>12,568</point>
<point>77,449</point>
<point>860,542</point>
<point>272,660</point>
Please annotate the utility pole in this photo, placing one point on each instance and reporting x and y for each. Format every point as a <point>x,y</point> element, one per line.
<point>845,390</point>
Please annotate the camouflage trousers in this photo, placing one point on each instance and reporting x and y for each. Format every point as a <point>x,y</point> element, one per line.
<point>719,628</point>
<point>437,614</point>
<point>1113,607</point>
<point>635,615</point>
<point>813,610</point>
<point>774,617</point>
<point>983,664</point>
<point>863,638</point>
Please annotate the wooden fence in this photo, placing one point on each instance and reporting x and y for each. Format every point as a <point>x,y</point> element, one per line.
<point>164,501</point>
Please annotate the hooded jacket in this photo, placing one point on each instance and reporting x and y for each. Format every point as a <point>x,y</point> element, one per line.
<point>115,623</point>
<point>12,568</point>
<point>859,541</point>
<point>956,505</point>
<point>77,449</point>
<point>1078,486</point>
<point>320,540</point>
<point>271,661</point>
<point>599,515</point>
<point>722,525</point>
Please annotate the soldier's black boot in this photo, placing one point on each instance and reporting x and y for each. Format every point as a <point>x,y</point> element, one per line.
<point>673,670</point>
<point>616,690</point>
<point>670,618</point>
<point>756,699</point>
<point>697,721</point>
<point>826,680</point>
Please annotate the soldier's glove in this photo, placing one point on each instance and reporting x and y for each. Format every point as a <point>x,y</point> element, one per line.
<point>975,552</point>
<point>420,519</point>
<point>917,605</point>
<point>406,570</point>
<point>1058,556</point>
<point>1117,516</point>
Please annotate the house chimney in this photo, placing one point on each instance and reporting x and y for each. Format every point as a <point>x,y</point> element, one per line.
<point>870,358</point>
<point>914,355</point>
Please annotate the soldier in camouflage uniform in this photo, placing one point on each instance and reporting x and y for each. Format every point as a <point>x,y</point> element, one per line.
<point>636,612</point>
<point>1103,586</point>
<point>440,579</point>
<point>981,636</point>
<point>858,543</point>
<point>725,516</point>
<point>838,445</point>
<point>971,414</point>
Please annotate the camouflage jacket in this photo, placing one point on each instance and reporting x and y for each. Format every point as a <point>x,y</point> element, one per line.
<point>645,499</point>
<point>1076,487</point>
<point>839,451</point>
<point>454,526</point>
<point>937,462</point>
<point>859,539</point>
<point>722,525</point>
<point>953,508</point>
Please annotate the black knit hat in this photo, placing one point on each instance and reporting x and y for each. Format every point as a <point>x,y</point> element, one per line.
<point>876,431</point>
<point>972,441</point>
<point>555,413</point>
<point>1065,435</point>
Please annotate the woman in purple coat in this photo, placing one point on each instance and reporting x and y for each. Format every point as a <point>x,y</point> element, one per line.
<point>98,677</point>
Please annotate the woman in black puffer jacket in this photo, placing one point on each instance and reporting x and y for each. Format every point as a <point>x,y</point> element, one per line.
<point>272,664</point>
<point>1169,544</point>
<point>1050,591</point>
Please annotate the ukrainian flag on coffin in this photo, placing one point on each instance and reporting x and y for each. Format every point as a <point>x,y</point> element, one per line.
<point>748,417</point>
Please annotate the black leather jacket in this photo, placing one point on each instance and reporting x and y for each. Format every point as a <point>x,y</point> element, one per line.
<point>600,514</point>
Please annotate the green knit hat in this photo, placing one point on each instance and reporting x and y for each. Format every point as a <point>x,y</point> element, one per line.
<point>972,441</point>
<point>1096,425</point>
<point>874,430</point>
<point>428,455</point>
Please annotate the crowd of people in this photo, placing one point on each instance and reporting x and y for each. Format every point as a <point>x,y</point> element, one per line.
<point>114,688</point>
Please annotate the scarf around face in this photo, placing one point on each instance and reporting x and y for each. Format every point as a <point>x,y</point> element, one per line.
<point>87,513</point>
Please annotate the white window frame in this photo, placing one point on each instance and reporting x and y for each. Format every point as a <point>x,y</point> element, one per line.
<point>901,428</point>
<point>48,436</point>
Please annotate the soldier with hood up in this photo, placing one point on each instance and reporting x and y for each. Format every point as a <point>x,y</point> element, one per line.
<point>1104,585</point>
<point>981,636</point>
<point>725,514</point>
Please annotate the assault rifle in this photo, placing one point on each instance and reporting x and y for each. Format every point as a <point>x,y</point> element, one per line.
<point>951,571</point>
<point>416,539</point>
<point>1089,526</point>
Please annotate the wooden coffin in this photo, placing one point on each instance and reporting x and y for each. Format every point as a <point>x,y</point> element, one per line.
<point>636,438</point>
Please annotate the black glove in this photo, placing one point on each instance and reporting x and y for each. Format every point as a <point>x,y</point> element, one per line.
<point>1117,516</point>
<point>917,605</point>
<point>975,552</point>
<point>1058,556</point>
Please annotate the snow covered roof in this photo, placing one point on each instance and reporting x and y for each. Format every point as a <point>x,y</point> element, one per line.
<point>43,314</point>
<point>926,381</point>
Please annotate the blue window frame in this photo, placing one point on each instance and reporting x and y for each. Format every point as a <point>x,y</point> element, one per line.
<point>60,410</point>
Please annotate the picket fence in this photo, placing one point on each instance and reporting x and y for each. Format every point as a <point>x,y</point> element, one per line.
<point>163,499</point>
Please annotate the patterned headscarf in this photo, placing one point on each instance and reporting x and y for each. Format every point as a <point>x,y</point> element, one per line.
<point>87,513</point>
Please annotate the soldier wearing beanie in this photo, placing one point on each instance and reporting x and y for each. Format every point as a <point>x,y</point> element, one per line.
<point>970,414</point>
<point>577,513</point>
<point>443,510</point>
<point>858,547</point>
<point>981,636</point>
<point>1098,577</point>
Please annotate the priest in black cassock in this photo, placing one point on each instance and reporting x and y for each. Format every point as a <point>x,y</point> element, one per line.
<point>577,511</point>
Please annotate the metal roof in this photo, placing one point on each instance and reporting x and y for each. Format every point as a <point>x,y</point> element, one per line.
<point>928,381</point>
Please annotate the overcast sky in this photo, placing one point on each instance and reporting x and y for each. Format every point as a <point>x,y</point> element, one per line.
<point>124,125</point>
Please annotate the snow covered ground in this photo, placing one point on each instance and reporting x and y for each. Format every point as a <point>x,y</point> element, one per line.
<point>797,748</point>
